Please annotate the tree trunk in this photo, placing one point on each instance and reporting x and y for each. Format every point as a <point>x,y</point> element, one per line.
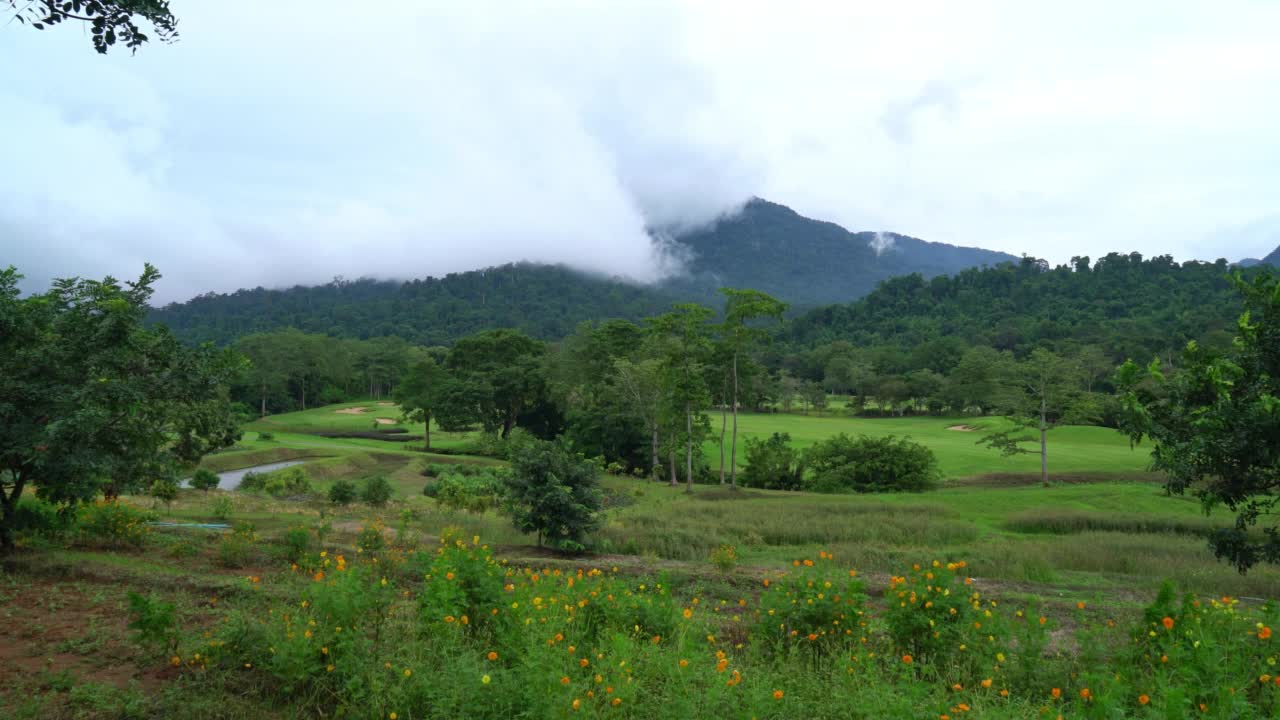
<point>656,476</point>
<point>733,451</point>
<point>8,508</point>
<point>1044,447</point>
<point>303,386</point>
<point>688,448</point>
<point>427,446</point>
<point>723,423</point>
<point>264,399</point>
<point>674,480</point>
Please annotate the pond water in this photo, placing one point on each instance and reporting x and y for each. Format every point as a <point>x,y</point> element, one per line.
<point>230,480</point>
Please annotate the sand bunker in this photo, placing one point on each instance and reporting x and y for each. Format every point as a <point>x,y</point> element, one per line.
<point>386,404</point>
<point>385,421</point>
<point>352,411</point>
<point>962,428</point>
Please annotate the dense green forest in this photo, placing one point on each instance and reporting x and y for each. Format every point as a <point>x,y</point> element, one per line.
<point>1124,305</point>
<point>765,246</point>
<point>545,301</point>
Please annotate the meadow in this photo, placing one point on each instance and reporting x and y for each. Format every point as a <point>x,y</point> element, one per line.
<point>725,603</point>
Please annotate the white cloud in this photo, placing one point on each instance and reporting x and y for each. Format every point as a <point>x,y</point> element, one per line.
<point>289,142</point>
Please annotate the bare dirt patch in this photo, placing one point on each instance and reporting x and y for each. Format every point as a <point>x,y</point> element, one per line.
<point>352,411</point>
<point>386,404</point>
<point>956,428</point>
<point>384,421</point>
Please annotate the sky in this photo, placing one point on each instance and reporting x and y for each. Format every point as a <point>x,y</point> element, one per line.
<point>292,142</point>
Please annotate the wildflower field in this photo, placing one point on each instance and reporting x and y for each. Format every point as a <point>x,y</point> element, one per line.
<point>988,598</point>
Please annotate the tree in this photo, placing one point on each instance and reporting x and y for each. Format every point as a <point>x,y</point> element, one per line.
<point>92,401</point>
<point>640,383</point>
<point>268,365</point>
<point>419,392</point>
<point>743,307</point>
<point>165,490</point>
<point>684,341</point>
<point>1215,422</point>
<point>204,480</point>
<point>500,370</point>
<point>110,21</point>
<point>553,492</point>
<point>1039,394</point>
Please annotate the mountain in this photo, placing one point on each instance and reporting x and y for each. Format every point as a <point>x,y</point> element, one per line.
<point>808,262</point>
<point>1273,259</point>
<point>765,246</point>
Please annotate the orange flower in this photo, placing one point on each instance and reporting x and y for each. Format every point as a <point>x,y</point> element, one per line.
<point>492,655</point>
<point>1264,633</point>
<point>906,659</point>
<point>986,683</point>
<point>584,662</point>
<point>616,702</point>
<point>1004,693</point>
<point>1080,606</point>
<point>688,613</point>
<point>1143,699</point>
<point>684,663</point>
<point>777,694</point>
<point>1056,693</point>
<point>1085,694</point>
<point>318,576</point>
<point>577,703</point>
<point>564,680</point>
<point>1167,622</point>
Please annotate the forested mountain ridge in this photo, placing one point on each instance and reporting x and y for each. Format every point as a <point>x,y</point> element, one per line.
<point>765,246</point>
<point>1124,304</point>
<point>545,301</point>
<point>809,262</point>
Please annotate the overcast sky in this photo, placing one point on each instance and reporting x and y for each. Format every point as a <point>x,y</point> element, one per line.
<point>288,142</point>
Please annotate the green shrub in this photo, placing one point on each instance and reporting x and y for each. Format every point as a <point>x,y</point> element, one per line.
<point>165,490</point>
<point>266,435</point>
<point>204,480</point>
<point>372,536</point>
<point>113,523</point>
<point>553,492</point>
<point>725,558</point>
<point>221,508</point>
<point>936,617</point>
<point>153,622</point>
<point>865,464</point>
<point>236,548</point>
<point>253,482</point>
<point>342,492</point>
<point>773,464</point>
<point>816,605</point>
<point>290,482</point>
<point>297,540</point>
<point>377,491</point>
<point>474,493</point>
<point>34,517</point>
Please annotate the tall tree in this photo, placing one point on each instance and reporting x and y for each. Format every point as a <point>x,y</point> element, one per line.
<point>1039,393</point>
<point>91,401</point>
<point>742,310</point>
<point>684,336</point>
<point>419,392</point>
<point>1215,424</point>
<point>109,21</point>
<point>502,370</point>
<point>640,383</point>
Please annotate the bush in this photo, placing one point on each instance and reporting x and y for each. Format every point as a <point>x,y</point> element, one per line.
<point>153,622</point>
<point>266,435</point>
<point>36,518</point>
<point>725,558</point>
<point>377,491</point>
<point>236,547</point>
<point>864,464</point>
<point>342,492</point>
<point>773,464</point>
<point>297,540</point>
<point>290,482</point>
<point>816,605</point>
<point>253,482</point>
<point>112,523</point>
<point>221,509</point>
<point>372,536</point>
<point>474,493</point>
<point>204,480</point>
<point>165,490</point>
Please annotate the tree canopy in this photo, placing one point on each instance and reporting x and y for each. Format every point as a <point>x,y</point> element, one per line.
<point>109,21</point>
<point>1215,424</point>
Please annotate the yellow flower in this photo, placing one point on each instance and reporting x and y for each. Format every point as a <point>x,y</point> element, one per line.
<point>407,672</point>
<point>393,716</point>
<point>577,703</point>
<point>485,679</point>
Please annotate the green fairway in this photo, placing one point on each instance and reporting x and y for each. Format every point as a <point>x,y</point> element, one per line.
<point>1071,448</point>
